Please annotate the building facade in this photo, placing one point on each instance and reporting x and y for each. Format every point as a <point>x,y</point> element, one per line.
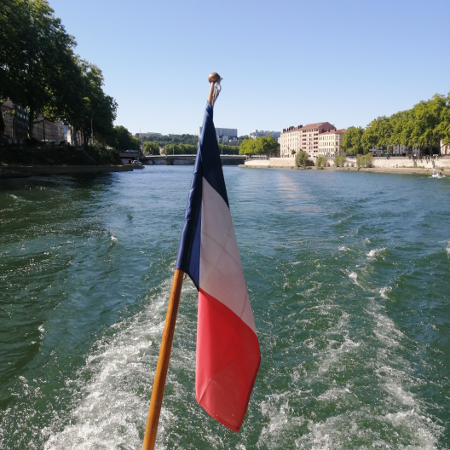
<point>224,135</point>
<point>330,143</point>
<point>15,118</point>
<point>304,138</point>
<point>47,130</point>
<point>397,150</point>
<point>147,135</point>
<point>289,141</point>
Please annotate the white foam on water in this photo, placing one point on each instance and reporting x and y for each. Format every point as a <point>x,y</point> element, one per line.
<point>282,418</point>
<point>332,356</point>
<point>114,239</point>
<point>375,252</point>
<point>383,291</point>
<point>413,432</point>
<point>448,249</point>
<point>334,394</point>
<point>111,410</point>
<point>425,432</point>
<point>386,331</point>
<point>396,379</point>
<point>354,277</point>
<point>343,248</point>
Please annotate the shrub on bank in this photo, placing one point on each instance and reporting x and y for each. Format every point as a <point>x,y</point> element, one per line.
<point>364,161</point>
<point>301,159</point>
<point>339,160</point>
<point>321,162</point>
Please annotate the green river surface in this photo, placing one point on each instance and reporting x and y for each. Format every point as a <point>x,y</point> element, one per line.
<point>349,279</point>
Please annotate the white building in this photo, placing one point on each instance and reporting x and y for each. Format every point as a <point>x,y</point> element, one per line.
<point>258,133</point>
<point>148,134</point>
<point>397,150</point>
<point>224,135</point>
<point>330,142</point>
<point>289,141</point>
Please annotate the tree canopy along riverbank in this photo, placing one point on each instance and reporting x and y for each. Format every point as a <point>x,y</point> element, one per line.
<point>40,71</point>
<point>180,144</point>
<point>425,125</point>
<point>264,146</point>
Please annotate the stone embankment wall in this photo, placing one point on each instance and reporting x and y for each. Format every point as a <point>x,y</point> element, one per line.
<point>381,162</point>
<point>272,162</point>
<point>399,162</point>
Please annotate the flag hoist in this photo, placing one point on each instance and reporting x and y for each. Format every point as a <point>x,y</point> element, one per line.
<point>228,355</point>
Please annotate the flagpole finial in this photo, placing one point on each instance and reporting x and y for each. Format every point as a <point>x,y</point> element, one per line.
<point>215,79</point>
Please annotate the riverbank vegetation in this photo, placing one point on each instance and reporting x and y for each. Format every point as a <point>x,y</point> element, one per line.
<point>181,144</point>
<point>122,139</point>
<point>162,140</point>
<point>301,158</point>
<point>40,71</point>
<point>262,146</point>
<point>188,149</point>
<point>53,155</point>
<point>425,125</point>
<point>321,162</point>
<point>364,161</point>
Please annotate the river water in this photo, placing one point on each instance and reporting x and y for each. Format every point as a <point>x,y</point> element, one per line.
<point>349,278</point>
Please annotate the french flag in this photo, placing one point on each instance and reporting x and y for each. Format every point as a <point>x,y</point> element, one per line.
<point>228,355</point>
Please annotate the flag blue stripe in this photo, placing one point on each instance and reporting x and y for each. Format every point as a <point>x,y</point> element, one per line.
<point>209,166</point>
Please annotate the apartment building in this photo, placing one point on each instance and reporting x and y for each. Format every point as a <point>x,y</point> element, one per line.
<point>330,143</point>
<point>289,141</point>
<point>15,119</point>
<point>304,138</point>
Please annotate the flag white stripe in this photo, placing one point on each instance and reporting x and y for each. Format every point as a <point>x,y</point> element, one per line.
<point>221,274</point>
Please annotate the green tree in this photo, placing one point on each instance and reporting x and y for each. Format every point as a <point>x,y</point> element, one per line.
<point>39,70</point>
<point>13,26</point>
<point>301,158</point>
<point>426,131</point>
<point>125,140</point>
<point>98,108</point>
<point>151,148</point>
<point>351,142</point>
<point>228,149</point>
<point>378,134</point>
<point>179,149</point>
<point>247,147</point>
<point>44,58</point>
<point>267,146</point>
<point>443,128</point>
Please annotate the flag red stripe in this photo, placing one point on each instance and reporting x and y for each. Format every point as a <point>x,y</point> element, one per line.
<point>228,359</point>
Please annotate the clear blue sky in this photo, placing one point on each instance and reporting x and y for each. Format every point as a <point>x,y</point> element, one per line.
<point>283,62</point>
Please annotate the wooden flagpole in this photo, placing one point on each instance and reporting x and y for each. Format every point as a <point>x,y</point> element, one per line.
<point>159,382</point>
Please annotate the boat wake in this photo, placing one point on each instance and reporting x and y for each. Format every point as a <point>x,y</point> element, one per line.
<point>118,374</point>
